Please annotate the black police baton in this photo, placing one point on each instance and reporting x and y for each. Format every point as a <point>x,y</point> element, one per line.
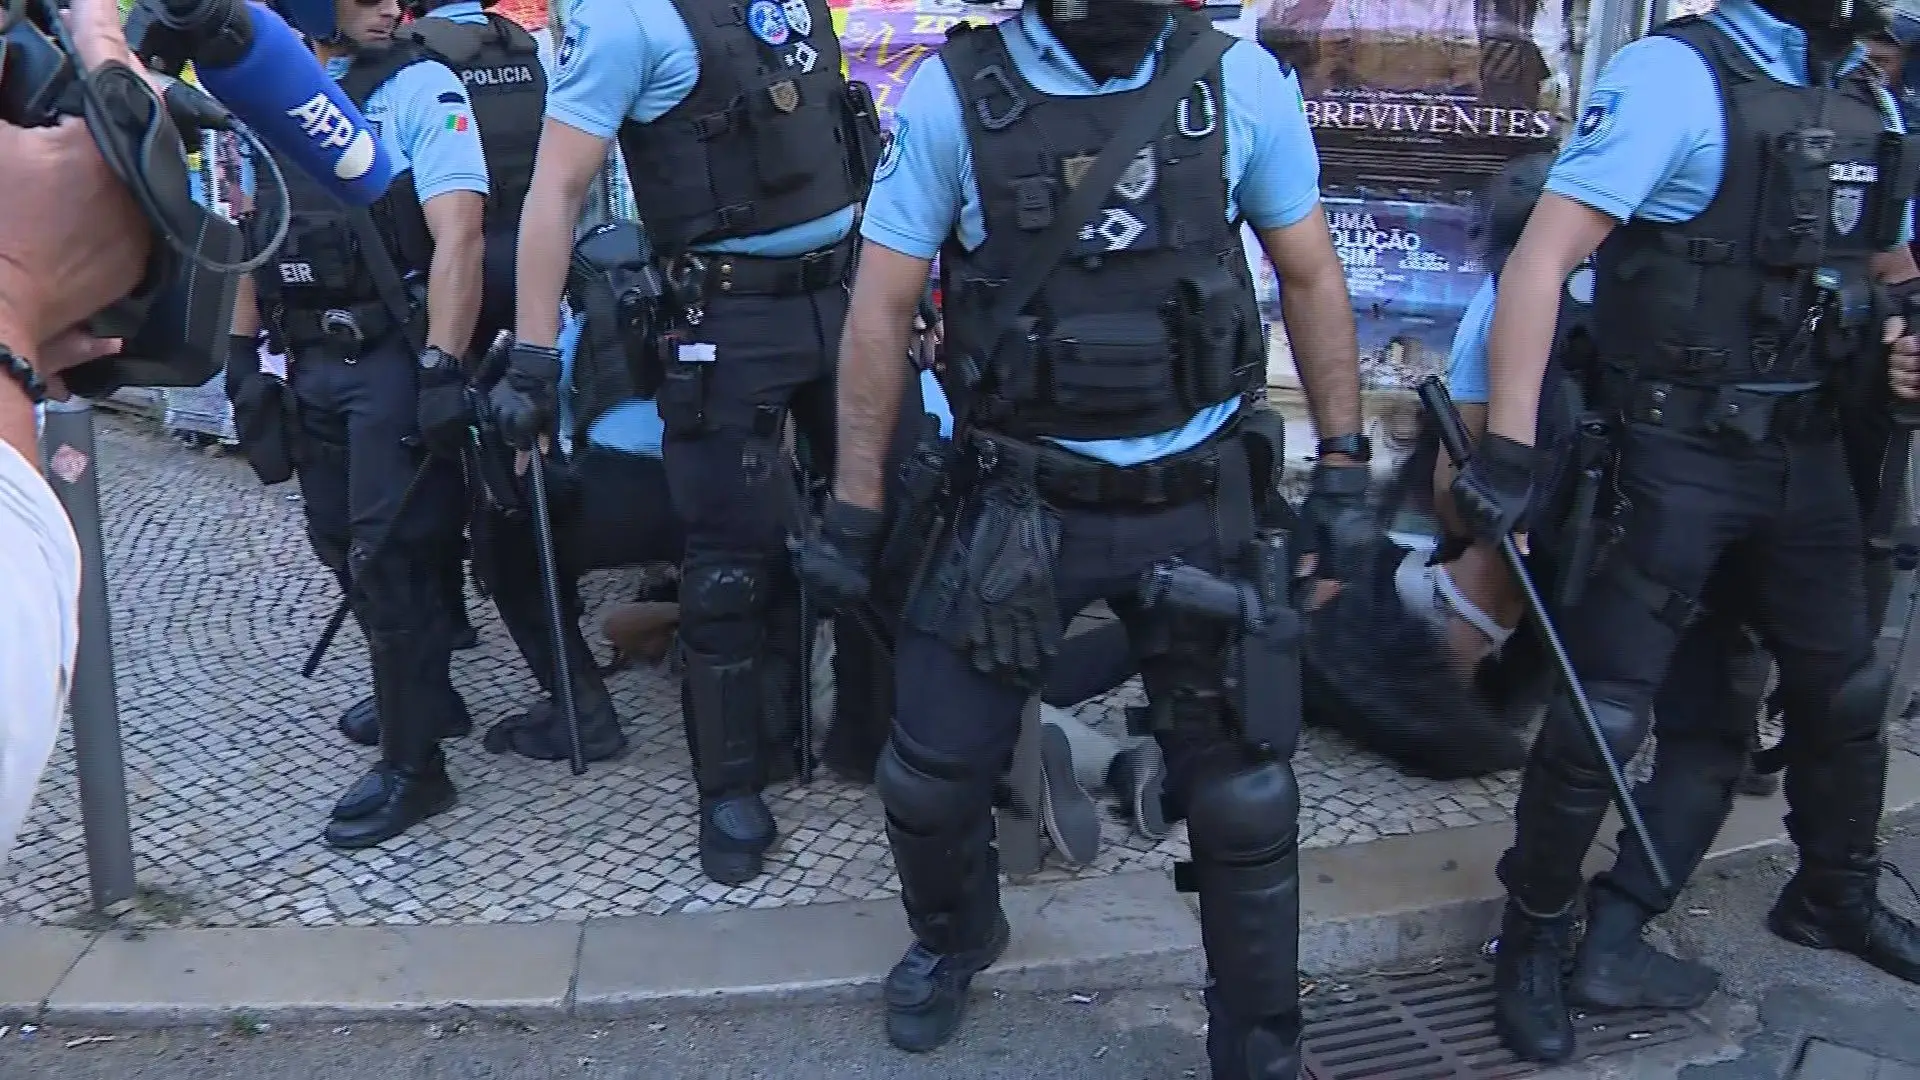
<point>1453,436</point>
<point>549,575</point>
<point>556,618</point>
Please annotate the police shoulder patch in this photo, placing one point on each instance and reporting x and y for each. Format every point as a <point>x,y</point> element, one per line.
<point>1597,118</point>
<point>452,97</point>
<point>890,149</point>
<point>570,45</point>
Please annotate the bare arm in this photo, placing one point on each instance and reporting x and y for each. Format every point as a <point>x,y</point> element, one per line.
<point>454,280</point>
<point>886,294</point>
<point>1558,236</point>
<point>1319,318</point>
<point>568,159</point>
<point>246,309</point>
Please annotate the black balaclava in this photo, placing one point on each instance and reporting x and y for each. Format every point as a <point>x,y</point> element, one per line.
<point>1112,39</point>
<point>1831,26</point>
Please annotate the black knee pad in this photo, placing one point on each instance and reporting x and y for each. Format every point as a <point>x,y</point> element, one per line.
<point>926,792</point>
<point>1860,702</point>
<point>1248,816</point>
<point>715,588</point>
<point>1565,747</point>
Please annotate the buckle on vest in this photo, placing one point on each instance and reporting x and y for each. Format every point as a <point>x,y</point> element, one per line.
<point>1016,108</point>
<point>735,215</point>
<point>712,125</point>
<point>1697,359</point>
<point>1209,113</point>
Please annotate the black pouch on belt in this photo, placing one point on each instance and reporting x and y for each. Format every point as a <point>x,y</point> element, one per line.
<point>266,419</point>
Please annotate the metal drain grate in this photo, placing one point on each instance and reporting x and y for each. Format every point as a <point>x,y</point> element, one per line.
<point>1438,1025</point>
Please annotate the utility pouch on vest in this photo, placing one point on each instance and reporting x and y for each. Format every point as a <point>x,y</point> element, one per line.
<point>863,121</point>
<point>1109,364</point>
<point>1794,197</point>
<point>781,161</point>
<point>989,591</point>
<point>682,399</point>
<point>1210,335</point>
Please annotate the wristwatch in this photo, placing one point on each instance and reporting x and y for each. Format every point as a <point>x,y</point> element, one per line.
<point>23,373</point>
<point>434,358</point>
<point>1357,447</point>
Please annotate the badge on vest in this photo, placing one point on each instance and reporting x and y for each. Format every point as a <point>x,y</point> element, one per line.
<point>1128,220</point>
<point>799,18</point>
<point>1849,199</point>
<point>768,23</point>
<point>296,273</point>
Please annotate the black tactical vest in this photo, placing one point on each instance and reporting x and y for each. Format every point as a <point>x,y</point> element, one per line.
<point>499,64</point>
<point>1770,282</point>
<point>764,140</point>
<point>1151,316</point>
<point>323,263</point>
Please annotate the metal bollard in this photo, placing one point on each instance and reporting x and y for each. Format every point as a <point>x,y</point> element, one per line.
<point>72,466</point>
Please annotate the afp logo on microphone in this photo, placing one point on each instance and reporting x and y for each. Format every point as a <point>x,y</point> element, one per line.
<point>323,122</point>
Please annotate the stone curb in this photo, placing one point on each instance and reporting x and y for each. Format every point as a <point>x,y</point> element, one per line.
<point>1365,906</point>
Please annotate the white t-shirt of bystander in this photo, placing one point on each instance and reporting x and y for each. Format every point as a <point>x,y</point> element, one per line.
<point>39,630</point>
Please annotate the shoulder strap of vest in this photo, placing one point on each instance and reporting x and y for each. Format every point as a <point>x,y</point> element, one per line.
<point>371,70</point>
<point>451,43</point>
<point>512,36</point>
<point>1721,54</point>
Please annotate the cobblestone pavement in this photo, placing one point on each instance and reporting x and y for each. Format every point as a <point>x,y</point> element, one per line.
<point>233,758</point>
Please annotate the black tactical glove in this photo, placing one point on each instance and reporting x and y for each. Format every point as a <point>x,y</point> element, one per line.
<point>1492,492</point>
<point>1342,527</point>
<point>442,407</point>
<point>837,560</point>
<point>523,399</point>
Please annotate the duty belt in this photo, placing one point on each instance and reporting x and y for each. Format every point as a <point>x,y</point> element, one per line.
<point>347,327</point>
<point>1754,415</point>
<point>753,275</point>
<point>1064,477</point>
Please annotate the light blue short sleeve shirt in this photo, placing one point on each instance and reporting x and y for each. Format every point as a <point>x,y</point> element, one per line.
<point>426,123</point>
<point>924,189</point>
<point>634,60</point>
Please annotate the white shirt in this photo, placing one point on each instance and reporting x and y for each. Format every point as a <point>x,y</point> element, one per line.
<point>39,630</point>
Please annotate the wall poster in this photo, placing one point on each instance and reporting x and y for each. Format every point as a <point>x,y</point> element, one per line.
<point>1414,105</point>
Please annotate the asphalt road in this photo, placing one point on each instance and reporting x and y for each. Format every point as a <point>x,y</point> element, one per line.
<point>1148,1035</point>
<point>1779,997</point>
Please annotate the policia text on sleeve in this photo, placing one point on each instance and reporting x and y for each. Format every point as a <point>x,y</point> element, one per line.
<point>1106,422</point>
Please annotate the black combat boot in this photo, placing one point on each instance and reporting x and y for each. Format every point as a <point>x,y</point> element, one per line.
<point>541,733</point>
<point>1833,900</point>
<point>950,886</point>
<point>410,783</point>
<point>1530,1001</point>
<point>1246,867</point>
<point>1615,968</point>
<point>720,703</point>
<point>940,827</point>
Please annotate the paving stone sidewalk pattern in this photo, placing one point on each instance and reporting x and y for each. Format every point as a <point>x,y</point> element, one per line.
<point>233,758</point>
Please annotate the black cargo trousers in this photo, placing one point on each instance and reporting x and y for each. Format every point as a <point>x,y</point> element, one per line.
<point>381,515</point>
<point>1765,533</point>
<point>756,356</point>
<point>954,731</point>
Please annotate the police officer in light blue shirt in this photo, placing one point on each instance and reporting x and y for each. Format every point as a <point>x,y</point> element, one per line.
<point>1723,324</point>
<point>376,375</point>
<point>748,152</point>
<point>1110,431</point>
